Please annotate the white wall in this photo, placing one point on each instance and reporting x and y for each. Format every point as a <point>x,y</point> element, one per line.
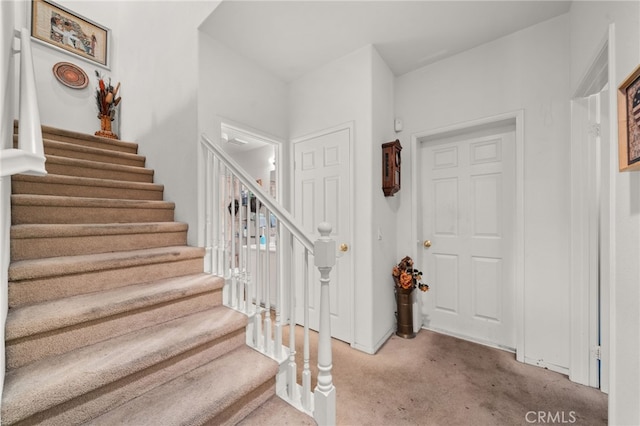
<point>256,162</point>
<point>156,63</point>
<point>338,93</point>
<point>383,226</point>
<point>589,27</point>
<point>61,106</point>
<point>236,91</point>
<point>527,70</point>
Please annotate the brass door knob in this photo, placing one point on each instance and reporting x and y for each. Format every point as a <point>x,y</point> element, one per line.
<point>344,247</point>
<point>427,243</point>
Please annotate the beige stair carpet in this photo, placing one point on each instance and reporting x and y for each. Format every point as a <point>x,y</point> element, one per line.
<point>110,312</point>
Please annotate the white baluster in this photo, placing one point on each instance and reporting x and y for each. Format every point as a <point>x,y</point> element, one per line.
<point>325,393</point>
<point>258,280</point>
<point>268,344</point>
<point>237,285</point>
<point>291,370</point>
<point>224,235</point>
<point>219,227</point>
<point>208,210</point>
<point>215,194</point>
<point>229,243</point>
<point>245,231</point>
<point>278,326</point>
<point>238,241</point>
<point>306,372</point>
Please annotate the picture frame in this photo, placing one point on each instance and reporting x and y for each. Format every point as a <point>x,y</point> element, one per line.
<point>69,32</point>
<point>629,122</point>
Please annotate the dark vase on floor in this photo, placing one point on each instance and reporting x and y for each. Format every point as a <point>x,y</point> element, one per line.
<point>404,314</point>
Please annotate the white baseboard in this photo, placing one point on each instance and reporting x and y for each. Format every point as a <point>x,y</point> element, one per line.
<point>371,350</point>
<point>549,366</point>
<point>470,339</point>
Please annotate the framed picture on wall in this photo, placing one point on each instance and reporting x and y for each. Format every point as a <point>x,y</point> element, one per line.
<point>69,32</point>
<point>629,122</point>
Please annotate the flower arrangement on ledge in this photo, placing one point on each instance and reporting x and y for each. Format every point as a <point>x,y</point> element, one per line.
<point>407,277</point>
<point>106,98</point>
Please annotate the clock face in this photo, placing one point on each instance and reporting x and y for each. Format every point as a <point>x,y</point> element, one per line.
<point>387,166</point>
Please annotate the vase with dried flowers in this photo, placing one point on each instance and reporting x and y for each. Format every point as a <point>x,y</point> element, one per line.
<point>406,278</point>
<point>107,100</point>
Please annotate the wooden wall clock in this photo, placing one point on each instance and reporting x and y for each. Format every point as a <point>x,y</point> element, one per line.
<point>391,167</point>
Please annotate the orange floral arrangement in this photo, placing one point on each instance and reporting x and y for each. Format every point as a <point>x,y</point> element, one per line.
<point>407,277</point>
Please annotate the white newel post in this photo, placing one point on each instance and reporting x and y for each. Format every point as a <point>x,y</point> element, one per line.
<point>325,393</point>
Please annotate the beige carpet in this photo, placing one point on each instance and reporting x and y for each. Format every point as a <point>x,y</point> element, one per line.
<point>440,380</point>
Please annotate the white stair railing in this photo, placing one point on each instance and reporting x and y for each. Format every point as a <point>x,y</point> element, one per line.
<point>29,157</point>
<point>251,241</point>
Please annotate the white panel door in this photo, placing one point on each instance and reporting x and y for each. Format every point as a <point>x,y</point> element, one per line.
<point>468,203</point>
<point>321,194</point>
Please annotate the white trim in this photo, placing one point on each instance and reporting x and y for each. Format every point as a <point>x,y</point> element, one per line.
<point>579,296</point>
<point>609,345</point>
<point>416,227</point>
<point>469,338</point>
<point>350,126</point>
<point>584,301</point>
<point>553,367</point>
<point>376,347</point>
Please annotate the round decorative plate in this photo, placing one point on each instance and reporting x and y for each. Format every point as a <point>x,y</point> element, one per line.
<point>70,75</point>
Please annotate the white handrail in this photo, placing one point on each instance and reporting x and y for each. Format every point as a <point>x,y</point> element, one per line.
<point>29,157</point>
<point>30,136</point>
<point>284,216</point>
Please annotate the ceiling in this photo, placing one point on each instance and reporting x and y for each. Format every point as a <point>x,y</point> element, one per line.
<point>292,38</point>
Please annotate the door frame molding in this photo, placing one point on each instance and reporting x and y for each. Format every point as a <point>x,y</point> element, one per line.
<point>512,117</point>
<point>584,315</point>
<point>350,126</point>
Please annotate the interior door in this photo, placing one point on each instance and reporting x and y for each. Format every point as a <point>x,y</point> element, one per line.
<point>322,194</point>
<point>468,205</point>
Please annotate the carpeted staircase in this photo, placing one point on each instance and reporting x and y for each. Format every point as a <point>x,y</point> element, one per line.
<point>111,317</point>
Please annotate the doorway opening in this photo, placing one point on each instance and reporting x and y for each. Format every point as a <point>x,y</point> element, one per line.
<point>259,155</point>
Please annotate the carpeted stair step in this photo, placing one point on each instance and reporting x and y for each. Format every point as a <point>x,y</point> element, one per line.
<point>39,280</point>
<point>84,152</point>
<point>35,241</point>
<point>44,209</point>
<point>82,384</point>
<point>204,395</point>
<point>97,169</point>
<point>37,331</point>
<point>86,139</point>
<point>74,186</point>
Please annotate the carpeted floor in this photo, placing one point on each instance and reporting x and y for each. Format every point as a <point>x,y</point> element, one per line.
<point>441,380</point>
